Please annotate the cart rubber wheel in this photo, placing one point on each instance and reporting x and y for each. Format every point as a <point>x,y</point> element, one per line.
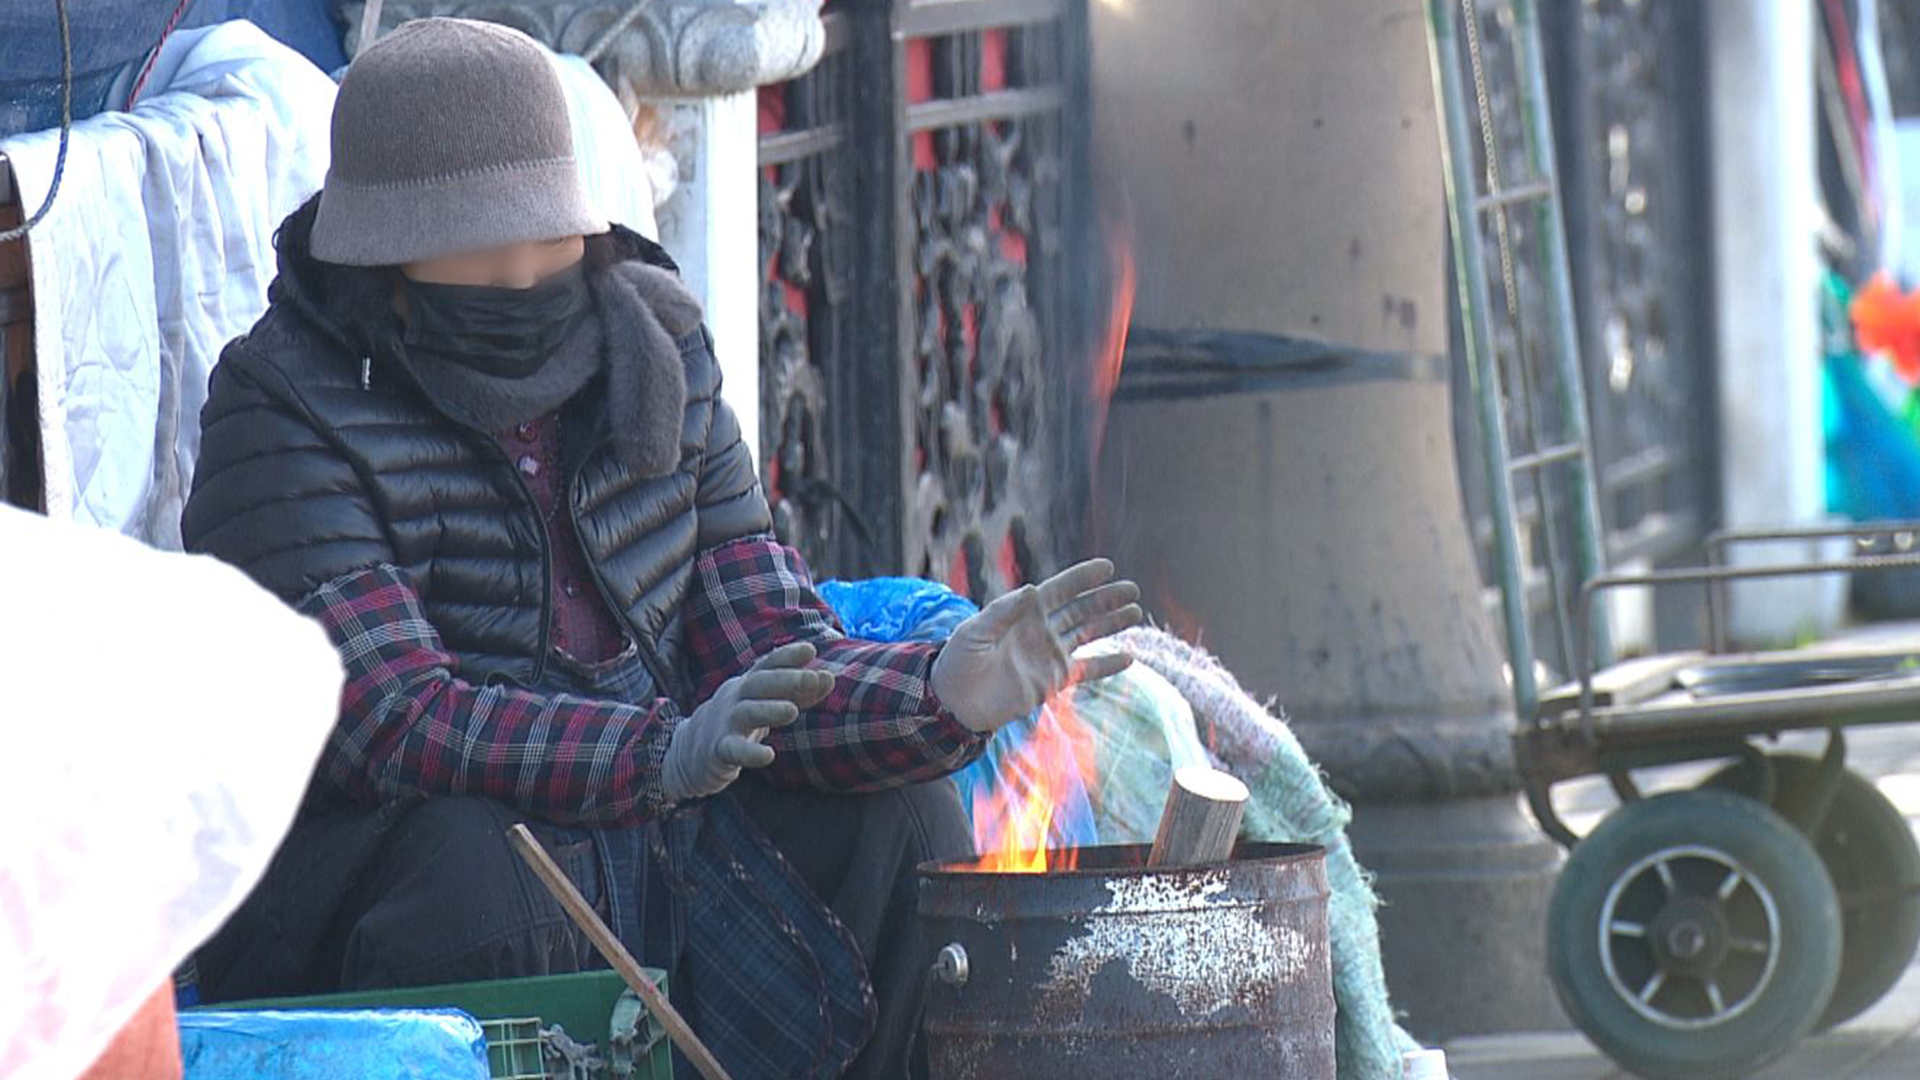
<point>1871,856</point>
<point>1694,936</point>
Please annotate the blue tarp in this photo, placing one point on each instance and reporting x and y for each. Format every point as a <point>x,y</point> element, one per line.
<point>1873,458</point>
<point>893,609</point>
<point>412,1044</point>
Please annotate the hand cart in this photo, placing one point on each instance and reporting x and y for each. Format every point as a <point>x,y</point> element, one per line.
<point>1692,934</point>
<point>1702,933</point>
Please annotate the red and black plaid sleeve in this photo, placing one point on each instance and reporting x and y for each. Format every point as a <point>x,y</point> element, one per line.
<point>409,725</point>
<point>881,727</point>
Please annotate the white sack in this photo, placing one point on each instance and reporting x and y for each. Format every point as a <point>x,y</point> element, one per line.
<point>162,715</point>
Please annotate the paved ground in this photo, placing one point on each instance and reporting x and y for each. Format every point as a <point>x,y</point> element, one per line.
<point>1881,1044</point>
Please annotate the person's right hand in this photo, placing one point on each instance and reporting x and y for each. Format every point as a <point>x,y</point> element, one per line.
<point>709,748</point>
<point>1001,663</point>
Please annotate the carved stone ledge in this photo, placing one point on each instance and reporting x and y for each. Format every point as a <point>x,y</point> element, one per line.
<point>671,48</point>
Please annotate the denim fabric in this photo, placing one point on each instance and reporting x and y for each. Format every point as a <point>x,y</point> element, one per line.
<point>111,40</point>
<point>771,979</point>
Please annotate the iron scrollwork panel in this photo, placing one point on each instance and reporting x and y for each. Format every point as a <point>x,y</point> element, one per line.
<point>920,386</point>
<point>992,377</point>
<point>806,309</point>
<point>1640,234</point>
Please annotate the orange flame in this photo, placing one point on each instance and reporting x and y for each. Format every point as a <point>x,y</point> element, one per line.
<point>1022,846</point>
<point>1113,344</point>
<point>1182,620</point>
<point>1013,823</point>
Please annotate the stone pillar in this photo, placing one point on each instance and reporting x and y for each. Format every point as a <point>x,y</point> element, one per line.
<point>710,224</point>
<point>1767,267</point>
<point>1283,171</point>
<point>686,70</point>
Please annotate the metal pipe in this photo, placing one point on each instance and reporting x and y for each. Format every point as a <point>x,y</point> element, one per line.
<point>1719,601</point>
<point>1589,559</point>
<point>1540,459</point>
<point>1522,394</point>
<point>1719,540</point>
<point>1470,277</point>
<point>369,26</point>
<point>1711,575</point>
<point>1724,538</point>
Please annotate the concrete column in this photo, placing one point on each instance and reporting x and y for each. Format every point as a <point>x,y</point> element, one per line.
<point>1765,215</point>
<point>1283,167</point>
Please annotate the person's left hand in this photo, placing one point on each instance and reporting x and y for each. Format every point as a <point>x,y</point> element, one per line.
<point>1002,663</point>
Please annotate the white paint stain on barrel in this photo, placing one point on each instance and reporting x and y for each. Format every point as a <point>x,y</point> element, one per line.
<point>1180,936</point>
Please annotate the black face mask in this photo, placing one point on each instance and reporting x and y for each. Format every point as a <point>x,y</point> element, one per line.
<point>506,333</point>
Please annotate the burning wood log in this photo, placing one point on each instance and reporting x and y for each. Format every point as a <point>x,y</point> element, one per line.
<point>1201,819</point>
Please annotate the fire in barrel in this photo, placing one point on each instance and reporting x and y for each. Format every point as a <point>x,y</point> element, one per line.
<point>1134,961</point>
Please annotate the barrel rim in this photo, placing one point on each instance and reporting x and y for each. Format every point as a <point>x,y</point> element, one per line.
<point>1245,854</point>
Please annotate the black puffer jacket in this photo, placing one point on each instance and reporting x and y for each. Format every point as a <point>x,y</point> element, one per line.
<point>321,457</point>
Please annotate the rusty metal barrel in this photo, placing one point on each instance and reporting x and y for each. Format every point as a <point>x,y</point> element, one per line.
<point>1114,969</point>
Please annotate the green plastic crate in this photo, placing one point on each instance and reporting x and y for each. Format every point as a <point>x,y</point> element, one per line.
<point>593,1007</point>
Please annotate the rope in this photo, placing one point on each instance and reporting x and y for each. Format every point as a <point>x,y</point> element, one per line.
<point>146,69</point>
<point>66,127</point>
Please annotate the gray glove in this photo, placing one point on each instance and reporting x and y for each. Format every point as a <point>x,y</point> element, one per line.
<point>1002,663</point>
<point>709,748</point>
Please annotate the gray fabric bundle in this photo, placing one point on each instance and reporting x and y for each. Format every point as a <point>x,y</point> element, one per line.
<point>1291,802</point>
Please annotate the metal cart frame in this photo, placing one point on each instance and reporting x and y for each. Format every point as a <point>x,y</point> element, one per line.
<point>1807,867</point>
<point>1624,718</point>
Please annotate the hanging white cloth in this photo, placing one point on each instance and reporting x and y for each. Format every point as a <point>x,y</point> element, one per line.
<point>619,179</point>
<point>157,251</point>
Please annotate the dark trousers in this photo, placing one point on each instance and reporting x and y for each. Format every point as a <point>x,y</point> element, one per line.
<point>445,899</point>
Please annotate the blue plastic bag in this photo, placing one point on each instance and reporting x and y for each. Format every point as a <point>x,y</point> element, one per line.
<point>913,609</point>
<point>894,609</point>
<point>385,1044</point>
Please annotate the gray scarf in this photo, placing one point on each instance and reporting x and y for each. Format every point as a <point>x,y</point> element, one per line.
<point>638,312</point>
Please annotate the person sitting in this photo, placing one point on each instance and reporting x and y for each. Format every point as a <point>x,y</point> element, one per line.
<point>479,435</point>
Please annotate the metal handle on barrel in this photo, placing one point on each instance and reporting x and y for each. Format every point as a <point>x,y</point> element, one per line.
<point>950,966</point>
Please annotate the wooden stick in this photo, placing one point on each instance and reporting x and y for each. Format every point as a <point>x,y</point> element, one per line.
<point>1201,819</point>
<point>623,962</point>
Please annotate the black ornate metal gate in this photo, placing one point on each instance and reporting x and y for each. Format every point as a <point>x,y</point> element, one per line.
<point>1630,93</point>
<point>920,353</point>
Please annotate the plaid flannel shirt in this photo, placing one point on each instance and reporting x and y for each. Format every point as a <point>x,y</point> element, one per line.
<point>410,725</point>
<point>881,726</point>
